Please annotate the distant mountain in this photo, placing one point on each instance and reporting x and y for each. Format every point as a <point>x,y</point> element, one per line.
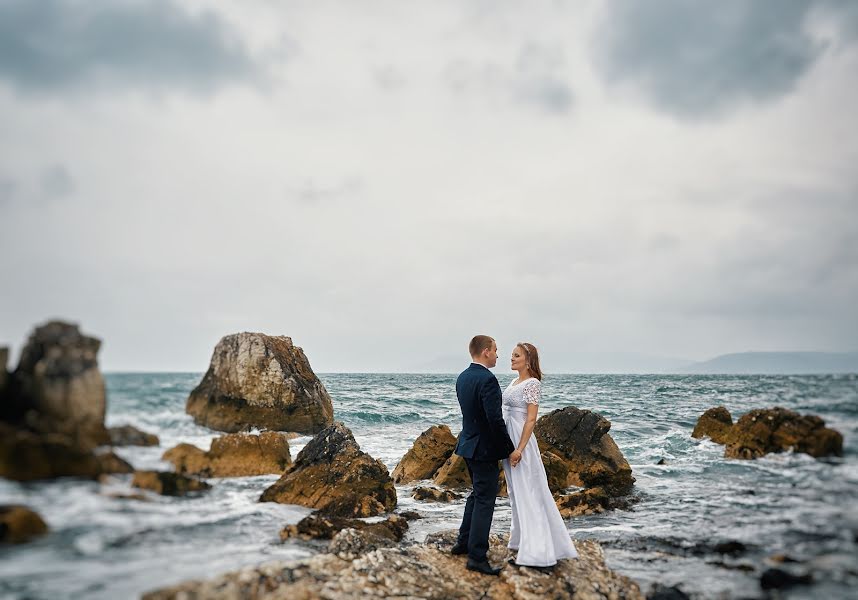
<point>777,363</point>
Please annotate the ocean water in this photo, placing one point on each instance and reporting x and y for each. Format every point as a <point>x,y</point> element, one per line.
<point>106,548</point>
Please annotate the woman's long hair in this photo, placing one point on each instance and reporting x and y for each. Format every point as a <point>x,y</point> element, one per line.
<point>531,359</point>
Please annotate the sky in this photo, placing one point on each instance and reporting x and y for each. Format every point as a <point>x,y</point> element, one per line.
<point>380,181</point>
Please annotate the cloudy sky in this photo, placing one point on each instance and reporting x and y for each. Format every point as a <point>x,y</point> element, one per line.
<point>382,180</point>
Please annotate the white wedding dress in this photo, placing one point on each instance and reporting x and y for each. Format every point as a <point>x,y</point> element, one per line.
<point>537,531</point>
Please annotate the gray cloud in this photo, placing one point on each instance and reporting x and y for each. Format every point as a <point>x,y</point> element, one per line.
<point>699,58</point>
<point>55,45</point>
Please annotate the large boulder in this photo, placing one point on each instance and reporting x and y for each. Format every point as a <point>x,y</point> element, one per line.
<point>233,455</point>
<point>57,386</point>
<point>580,439</point>
<point>168,484</point>
<point>19,524</point>
<point>332,474</point>
<point>766,430</point>
<point>256,380</point>
<point>715,423</point>
<point>128,435</point>
<point>28,456</point>
<point>430,451</point>
<point>453,474</point>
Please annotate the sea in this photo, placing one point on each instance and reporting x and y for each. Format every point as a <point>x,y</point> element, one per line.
<point>690,497</point>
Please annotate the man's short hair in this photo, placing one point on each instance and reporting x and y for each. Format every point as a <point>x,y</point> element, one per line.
<point>480,343</point>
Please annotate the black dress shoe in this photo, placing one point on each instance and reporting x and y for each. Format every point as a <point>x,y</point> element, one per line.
<point>482,567</point>
<point>459,549</point>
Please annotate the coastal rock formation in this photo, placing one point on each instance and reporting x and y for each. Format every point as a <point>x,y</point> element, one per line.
<point>57,386</point>
<point>431,494</point>
<point>321,527</point>
<point>332,474</point>
<point>256,380</point>
<point>110,463</point>
<point>430,451</point>
<point>591,501</point>
<point>128,435</point>
<point>453,474</point>
<point>19,524</point>
<point>168,484</point>
<point>776,430</point>
<point>425,570</point>
<point>714,423</point>
<point>233,455</point>
<point>580,439</point>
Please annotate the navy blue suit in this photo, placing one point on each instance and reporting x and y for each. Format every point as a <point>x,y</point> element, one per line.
<point>482,443</point>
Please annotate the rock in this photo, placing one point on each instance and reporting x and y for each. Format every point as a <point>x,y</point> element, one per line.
<point>714,423</point>
<point>127,435</point>
<point>233,455</point>
<point>591,501</point>
<point>134,496</point>
<point>580,438</point>
<point>425,570</point>
<point>168,484</point>
<point>110,462</point>
<point>58,387</point>
<point>29,456</point>
<point>661,592</point>
<point>434,494</point>
<point>350,543</point>
<point>661,462</point>
<point>256,380</point>
<point>556,470</point>
<point>19,524</point>
<point>320,527</point>
<point>410,515</point>
<point>732,547</point>
<point>453,474</point>
<point>430,451</point>
<point>778,579</point>
<point>762,431</point>
<point>332,474</point>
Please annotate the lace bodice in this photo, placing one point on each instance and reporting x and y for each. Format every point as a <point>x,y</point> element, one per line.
<point>526,392</point>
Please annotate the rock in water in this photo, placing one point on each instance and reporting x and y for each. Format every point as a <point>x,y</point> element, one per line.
<point>58,387</point>
<point>234,455</point>
<point>29,456</point>
<point>776,430</point>
<point>333,475</point>
<point>431,494</point>
<point>715,423</point>
<point>428,454</point>
<point>256,380</point>
<point>168,484</point>
<point>19,524</point>
<point>580,438</point>
<point>453,474</point>
<point>127,435</point>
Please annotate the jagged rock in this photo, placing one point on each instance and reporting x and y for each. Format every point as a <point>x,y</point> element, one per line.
<point>430,451</point>
<point>128,435</point>
<point>714,423</point>
<point>28,456</point>
<point>410,515</point>
<point>434,494</point>
<point>321,527</point>
<point>110,462</point>
<point>168,484</point>
<point>350,543</point>
<point>19,524</point>
<point>766,430</point>
<point>256,380</point>
<point>417,571</point>
<point>57,386</point>
<point>591,501</point>
<point>580,438</point>
<point>332,474</point>
<point>233,455</point>
<point>453,474</point>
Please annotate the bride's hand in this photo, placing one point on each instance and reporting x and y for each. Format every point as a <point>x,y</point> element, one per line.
<point>515,458</point>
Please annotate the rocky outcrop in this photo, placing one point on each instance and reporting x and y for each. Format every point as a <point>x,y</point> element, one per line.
<point>19,524</point>
<point>168,484</point>
<point>762,431</point>
<point>425,570</point>
<point>590,502</point>
<point>233,455</point>
<point>110,463</point>
<point>580,439</point>
<point>128,435</point>
<point>430,494</point>
<point>256,380</point>
<point>453,474</point>
<point>332,474</point>
<point>430,451</point>
<point>321,527</point>
<point>57,386</point>
<point>715,423</point>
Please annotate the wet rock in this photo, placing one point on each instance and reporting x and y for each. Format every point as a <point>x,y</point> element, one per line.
<point>410,515</point>
<point>556,470</point>
<point>425,570</point>
<point>581,439</point>
<point>320,527</point>
<point>661,461</point>
<point>256,380</point>
<point>431,494</point>
<point>762,431</point>
<point>332,474</point>
<point>350,543</point>
<point>133,496</point>
<point>233,455</point>
<point>168,484</point>
<point>29,456</point>
<point>19,524</point>
<point>733,548</point>
<point>778,579</point>
<point>454,475</point>
<point>714,423</point>
<point>128,435</point>
<point>110,462</point>
<point>661,592</point>
<point>591,501</point>
<point>429,452</point>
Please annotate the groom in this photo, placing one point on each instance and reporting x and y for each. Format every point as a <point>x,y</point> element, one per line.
<point>482,443</point>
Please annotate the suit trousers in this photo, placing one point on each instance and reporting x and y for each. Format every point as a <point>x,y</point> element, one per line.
<point>479,508</point>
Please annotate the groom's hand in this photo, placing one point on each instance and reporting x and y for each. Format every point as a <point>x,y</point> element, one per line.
<point>515,458</point>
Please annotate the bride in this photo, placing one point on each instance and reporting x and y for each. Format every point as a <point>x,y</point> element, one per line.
<point>537,531</point>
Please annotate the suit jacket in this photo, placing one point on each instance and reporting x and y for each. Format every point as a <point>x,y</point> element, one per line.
<point>484,435</point>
